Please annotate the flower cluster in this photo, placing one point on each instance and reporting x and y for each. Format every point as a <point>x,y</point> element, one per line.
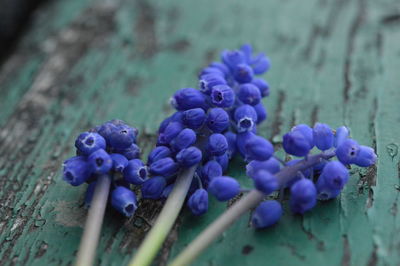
<point>204,130</point>
<point>320,179</point>
<point>109,149</point>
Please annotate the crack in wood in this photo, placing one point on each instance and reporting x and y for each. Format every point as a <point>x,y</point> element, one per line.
<point>373,259</point>
<point>146,38</point>
<point>346,258</point>
<point>314,115</point>
<point>324,31</point>
<point>390,19</point>
<point>278,116</point>
<point>352,34</point>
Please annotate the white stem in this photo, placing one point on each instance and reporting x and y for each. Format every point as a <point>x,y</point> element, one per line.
<point>155,238</point>
<point>94,220</point>
<point>217,228</point>
<point>240,207</point>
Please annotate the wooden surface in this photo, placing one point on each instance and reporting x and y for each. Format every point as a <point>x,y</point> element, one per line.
<point>86,61</point>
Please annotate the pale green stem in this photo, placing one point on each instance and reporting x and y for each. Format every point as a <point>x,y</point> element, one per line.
<point>94,221</point>
<point>246,203</point>
<point>155,238</point>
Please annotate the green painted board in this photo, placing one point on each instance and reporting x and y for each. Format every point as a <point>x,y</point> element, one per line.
<point>82,62</point>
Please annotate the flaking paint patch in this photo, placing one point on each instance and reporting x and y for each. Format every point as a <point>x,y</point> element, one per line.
<point>17,223</point>
<point>69,214</point>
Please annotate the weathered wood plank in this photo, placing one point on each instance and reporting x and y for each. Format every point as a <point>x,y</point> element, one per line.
<point>83,62</point>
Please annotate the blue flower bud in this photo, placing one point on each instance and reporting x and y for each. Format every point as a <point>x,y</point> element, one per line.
<point>210,170</point>
<point>177,117</point>
<point>88,142</point>
<point>243,73</point>
<point>211,70</point>
<point>124,201</point>
<point>335,175</point>
<point>272,165</point>
<point>185,138</point>
<point>303,196</point>
<point>249,94</point>
<point>260,64</point>
<point>265,182</point>
<point>326,192</point>
<point>245,117</point>
<point>222,96</point>
<point>153,188</point>
<point>188,98</point>
<point>198,202</point>
<point>207,82</point>
<point>224,188</point>
<point>231,139</point>
<point>323,136</point>
<point>307,132</point>
<point>76,170</point>
<point>295,143</point>
<point>132,152</point>
<point>366,157</point>
<point>158,153</point>
<point>117,133</point>
<point>164,124</point>
<point>170,132</point>
<point>217,120</point>
<point>194,118</point>
<point>135,172</point>
<point>347,152</point>
<point>189,156</point>
<point>89,194</point>
<point>261,112</point>
<point>232,58</point>
<point>165,167</point>
<point>122,136</point>
<point>217,144</point>
<point>222,67</point>
<point>258,148</point>
<point>342,133</point>
<point>247,50</point>
<point>241,139</point>
<point>119,162</point>
<point>223,160</point>
<point>100,162</point>
<point>262,85</point>
<point>266,214</point>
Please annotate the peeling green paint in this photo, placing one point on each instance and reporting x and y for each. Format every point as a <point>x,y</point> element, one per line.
<point>332,61</point>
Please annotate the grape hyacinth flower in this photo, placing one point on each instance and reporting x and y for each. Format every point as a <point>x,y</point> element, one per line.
<point>107,160</point>
<point>202,136</point>
<point>321,176</point>
<point>208,125</point>
<point>103,151</point>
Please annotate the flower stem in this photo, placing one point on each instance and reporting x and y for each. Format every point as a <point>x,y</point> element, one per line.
<point>240,207</point>
<point>155,238</point>
<point>91,232</point>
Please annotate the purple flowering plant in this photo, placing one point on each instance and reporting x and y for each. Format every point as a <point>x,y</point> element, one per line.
<point>194,146</point>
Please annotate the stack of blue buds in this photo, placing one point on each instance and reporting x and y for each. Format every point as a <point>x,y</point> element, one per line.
<point>202,133</point>
<point>210,126</point>
<point>321,179</point>
<point>109,149</point>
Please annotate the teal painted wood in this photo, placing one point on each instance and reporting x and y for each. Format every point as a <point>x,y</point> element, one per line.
<point>83,62</point>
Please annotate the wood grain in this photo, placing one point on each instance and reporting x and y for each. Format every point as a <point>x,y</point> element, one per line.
<point>82,62</point>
